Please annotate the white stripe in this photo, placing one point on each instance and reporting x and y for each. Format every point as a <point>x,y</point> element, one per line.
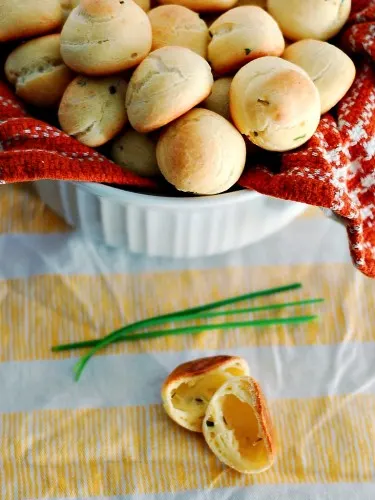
<point>304,241</point>
<point>111,381</point>
<point>342,491</point>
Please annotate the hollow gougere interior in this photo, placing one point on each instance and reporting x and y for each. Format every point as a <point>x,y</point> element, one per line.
<point>240,418</point>
<point>237,426</point>
<point>193,396</point>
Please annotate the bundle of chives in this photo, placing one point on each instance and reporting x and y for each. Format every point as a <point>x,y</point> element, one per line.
<point>194,313</point>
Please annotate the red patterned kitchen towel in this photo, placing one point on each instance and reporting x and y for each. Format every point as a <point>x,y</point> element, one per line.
<point>334,170</point>
<point>31,150</point>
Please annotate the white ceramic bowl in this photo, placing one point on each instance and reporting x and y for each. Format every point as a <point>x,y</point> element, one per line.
<point>168,226</point>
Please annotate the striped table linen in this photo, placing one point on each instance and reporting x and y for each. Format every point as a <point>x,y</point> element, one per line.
<point>108,436</point>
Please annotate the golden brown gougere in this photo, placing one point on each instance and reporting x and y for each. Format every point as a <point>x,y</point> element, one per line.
<point>136,152</point>
<point>318,19</point>
<point>167,84</point>
<point>20,19</point>
<point>177,25</point>
<point>275,104</point>
<point>241,35</point>
<point>38,72</point>
<point>92,109</point>
<point>218,100</point>
<point>105,37</point>
<point>324,62</point>
<point>201,153</point>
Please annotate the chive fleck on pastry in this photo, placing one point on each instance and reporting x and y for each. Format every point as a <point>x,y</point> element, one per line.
<point>203,5</point>
<point>317,19</point>
<point>237,426</point>
<point>331,70</point>
<point>189,388</point>
<point>275,104</point>
<point>168,83</point>
<point>241,35</point>
<point>177,25</point>
<point>218,100</point>
<point>136,152</point>
<point>28,18</point>
<point>201,153</point>
<point>92,110</point>
<point>38,72</point>
<point>105,37</point>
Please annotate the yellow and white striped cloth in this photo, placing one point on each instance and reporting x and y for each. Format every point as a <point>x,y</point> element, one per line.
<point>107,436</point>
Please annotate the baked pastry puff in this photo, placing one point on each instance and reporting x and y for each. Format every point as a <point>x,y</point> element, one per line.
<point>241,35</point>
<point>201,153</point>
<point>177,25</point>
<point>92,109</point>
<point>237,426</point>
<point>103,37</point>
<point>28,18</point>
<point>188,390</point>
<point>275,104</point>
<point>318,19</point>
<point>38,72</point>
<point>136,152</point>
<point>331,70</point>
<point>167,84</point>
<point>218,100</point>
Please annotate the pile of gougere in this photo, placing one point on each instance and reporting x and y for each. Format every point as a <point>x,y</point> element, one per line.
<point>187,88</point>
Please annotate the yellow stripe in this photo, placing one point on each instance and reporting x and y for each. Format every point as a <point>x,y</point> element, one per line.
<point>42,311</point>
<point>23,212</point>
<point>99,452</point>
